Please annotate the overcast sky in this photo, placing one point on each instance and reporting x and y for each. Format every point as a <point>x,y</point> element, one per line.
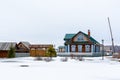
<point>47,21</point>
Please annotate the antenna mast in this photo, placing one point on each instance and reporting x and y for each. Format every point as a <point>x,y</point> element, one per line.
<point>113,49</point>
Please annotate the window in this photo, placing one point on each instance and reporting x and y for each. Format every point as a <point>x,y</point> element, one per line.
<point>20,45</point>
<point>66,49</point>
<point>79,48</point>
<point>87,48</point>
<point>73,48</point>
<point>80,38</point>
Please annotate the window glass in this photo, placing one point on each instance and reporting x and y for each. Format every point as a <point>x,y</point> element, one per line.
<point>73,48</point>
<point>79,48</point>
<point>87,48</point>
<point>80,38</point>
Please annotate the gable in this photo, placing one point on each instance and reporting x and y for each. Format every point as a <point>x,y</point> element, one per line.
<point>22,46</point>
<point>26,44</point>
<point>80,38</point>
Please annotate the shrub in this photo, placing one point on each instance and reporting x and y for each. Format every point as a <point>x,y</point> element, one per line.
<point>11,52</point>
<point>50,52</point>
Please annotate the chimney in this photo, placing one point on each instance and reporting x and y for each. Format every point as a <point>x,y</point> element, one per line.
<point>88,32</point>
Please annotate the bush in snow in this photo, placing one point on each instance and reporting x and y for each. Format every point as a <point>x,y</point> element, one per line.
<point>48,59</point>
<point>51,52</point>
<point>39,58</point>
<point>65,59</point>
<point>11,52</point>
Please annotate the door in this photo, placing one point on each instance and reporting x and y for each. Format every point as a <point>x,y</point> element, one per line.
<point>83,48</point>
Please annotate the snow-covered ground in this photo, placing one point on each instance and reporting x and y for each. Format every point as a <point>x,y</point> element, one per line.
<point>89,69</point>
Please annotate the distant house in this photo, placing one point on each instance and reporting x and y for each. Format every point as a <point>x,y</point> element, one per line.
<point>109,48</point>
<point>23,47</point>
<point>81,42</point>
<point>61,49</point>
<point>5,47</point>
<point>39,49</point>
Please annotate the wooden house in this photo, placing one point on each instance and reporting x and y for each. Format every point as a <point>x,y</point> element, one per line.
<point>38,49</point>
<point>5,47</point>
<point>23,47</point>
<point>81,42</point>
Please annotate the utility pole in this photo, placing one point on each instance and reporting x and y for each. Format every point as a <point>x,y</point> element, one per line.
<point>113,49</point>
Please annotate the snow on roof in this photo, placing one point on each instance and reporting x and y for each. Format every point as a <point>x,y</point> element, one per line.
<point>7,45</point>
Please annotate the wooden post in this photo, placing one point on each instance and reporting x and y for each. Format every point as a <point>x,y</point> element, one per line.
<point>113,49</point>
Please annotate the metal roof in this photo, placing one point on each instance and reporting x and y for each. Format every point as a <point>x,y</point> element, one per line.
<point>41,45</point>
<point>7,45</point>
<point>69,36</point>
<point>61,47</point>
